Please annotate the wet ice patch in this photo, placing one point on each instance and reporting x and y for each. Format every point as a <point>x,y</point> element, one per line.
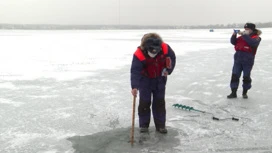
<point>118,141</point>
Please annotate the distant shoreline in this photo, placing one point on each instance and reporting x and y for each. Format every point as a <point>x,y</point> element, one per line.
<point>121,27</point>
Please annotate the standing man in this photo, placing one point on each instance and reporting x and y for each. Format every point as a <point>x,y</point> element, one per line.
<point>152,62</point>
<point>246,48</point>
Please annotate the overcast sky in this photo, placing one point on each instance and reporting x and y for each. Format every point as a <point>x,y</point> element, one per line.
<point>135,12</point>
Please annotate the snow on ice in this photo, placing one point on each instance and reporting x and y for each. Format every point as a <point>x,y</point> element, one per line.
<point>69,91</point>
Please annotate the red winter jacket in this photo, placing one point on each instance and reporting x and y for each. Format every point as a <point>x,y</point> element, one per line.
<point>242,45</point>
<point>154,66</point>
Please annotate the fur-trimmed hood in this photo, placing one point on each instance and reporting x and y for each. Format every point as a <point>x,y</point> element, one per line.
<point>149,35</point>
<point>258,32</point>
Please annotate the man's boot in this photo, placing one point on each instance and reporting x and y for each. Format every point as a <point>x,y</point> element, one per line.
<point>162,130</point>
<point>245,94</point>
<point>233,93</point>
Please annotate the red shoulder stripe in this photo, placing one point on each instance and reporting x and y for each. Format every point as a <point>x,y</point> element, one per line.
<point>164,48</point>
<point>139,54</point>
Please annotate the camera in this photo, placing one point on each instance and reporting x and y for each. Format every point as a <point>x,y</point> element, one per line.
<point>236,31</point>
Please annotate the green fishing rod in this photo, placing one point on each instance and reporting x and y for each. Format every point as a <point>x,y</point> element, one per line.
<point>184,107</point>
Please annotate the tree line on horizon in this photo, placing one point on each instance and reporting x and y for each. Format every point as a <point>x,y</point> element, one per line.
<point>104,27</point>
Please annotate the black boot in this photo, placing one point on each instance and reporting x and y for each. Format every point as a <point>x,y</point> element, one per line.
<point>162,130</point>
<point>144,130</point>
<point>233,93</point>
<point>245,94</point>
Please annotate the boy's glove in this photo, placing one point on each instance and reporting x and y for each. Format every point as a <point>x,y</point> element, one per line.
<point>164,72</point>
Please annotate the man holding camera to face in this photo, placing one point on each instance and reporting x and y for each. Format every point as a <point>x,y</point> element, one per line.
<point>245,46</point>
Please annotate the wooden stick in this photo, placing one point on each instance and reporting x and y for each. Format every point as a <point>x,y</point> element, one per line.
<point>133,117</point>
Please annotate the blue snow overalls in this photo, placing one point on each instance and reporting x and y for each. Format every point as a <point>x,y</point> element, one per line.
<point>146,76</point>
<point>246,48</point>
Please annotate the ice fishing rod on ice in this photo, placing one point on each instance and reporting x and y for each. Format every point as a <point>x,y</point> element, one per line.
<point>184,107</point>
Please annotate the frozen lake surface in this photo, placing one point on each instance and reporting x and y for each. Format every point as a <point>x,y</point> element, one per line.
<point>69,91</point>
